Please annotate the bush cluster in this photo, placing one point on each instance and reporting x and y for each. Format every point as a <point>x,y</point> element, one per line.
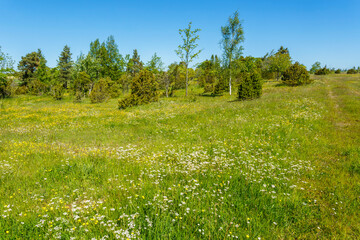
<point>100,92</point>
<point>250,86</point>
<point>57,92</point>
<point>351,71</point>
<point>143,90</point>
<point>323,71</point>
<point>296,75</point>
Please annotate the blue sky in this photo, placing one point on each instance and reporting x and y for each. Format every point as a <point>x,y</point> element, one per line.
<point>314,30</point>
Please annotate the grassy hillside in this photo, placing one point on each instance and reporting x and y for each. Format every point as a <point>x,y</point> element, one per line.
<point>283,166</point>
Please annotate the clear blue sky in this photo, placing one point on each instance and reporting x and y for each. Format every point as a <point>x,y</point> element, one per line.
<point>314,30</point>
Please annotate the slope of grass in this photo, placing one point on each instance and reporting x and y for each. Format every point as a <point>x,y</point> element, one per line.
<point>283,166</point>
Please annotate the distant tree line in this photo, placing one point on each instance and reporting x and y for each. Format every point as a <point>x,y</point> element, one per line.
<point>104,73</point>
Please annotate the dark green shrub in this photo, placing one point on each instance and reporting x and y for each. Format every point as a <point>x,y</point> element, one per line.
<point>250,86</point>
<point>208,88</point>
<point>296,75</point>
<point>351,71</point>
<point>143,90</point>
<point>57,92</point>
<point>338,71</point>
<point>323,71</point>
<point>100,92</point>
<point>115,90</point>
<point>82,83</point>
<point>78,97</point>
<point>36,87</point>
<point>5,87</point>
<point>20,90</point>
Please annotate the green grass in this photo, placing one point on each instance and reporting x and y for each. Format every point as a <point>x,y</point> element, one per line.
<point>283,166</point>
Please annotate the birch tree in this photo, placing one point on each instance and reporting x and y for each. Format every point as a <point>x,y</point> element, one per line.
<point>233,35</point>
<point>187,51</point>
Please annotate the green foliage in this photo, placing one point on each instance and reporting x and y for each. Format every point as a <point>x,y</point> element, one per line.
<point>6,69</point>
<point>315,67</point>
<point>134,65</point>
<point>82,83</point>
<point>232,37</point>
<point>278,62</point>
<point>187,50</point>
<point>155,65</point>
<point>5,87</point>
<point>114,89</point>
<point>250,86</point>
<point>351,71</point>
<point>65,65</point>
<point>100,92</point>
<point>323,71</point>
<point>143,90</point>
<point>36,87</point>
<point>177,75</point>
<point>338,71</point>
<point>78,97</point>
<point>57,92</point>
<point>28,66</point>
<point>208,72</point>
<point>296,75</point>
<point>103,60</point>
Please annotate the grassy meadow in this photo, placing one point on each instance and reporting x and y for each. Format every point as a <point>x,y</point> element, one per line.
<point>284,166</point>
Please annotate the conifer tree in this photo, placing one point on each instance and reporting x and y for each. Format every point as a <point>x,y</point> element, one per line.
<point>28,66</point>
<point>65,66</point>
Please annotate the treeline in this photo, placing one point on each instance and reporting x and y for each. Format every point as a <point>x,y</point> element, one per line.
<point>104,73</point>
<point>318,70</point>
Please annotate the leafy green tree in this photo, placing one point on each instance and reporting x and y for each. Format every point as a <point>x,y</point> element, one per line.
<point>65,65</point>
<point>42,73</point>
<point>279,62</point>
<point>115,63</point>
<point>208,73</point>
<point>155,64</point>
<point>134,65</point>
<point>82,83</point>
<point>6,68</point>
<point>27,67</point>
<point>143,90</point>
<point>296,75</point>
<point>187,51</point>
<point>315,67</point>
<point>232,36</point>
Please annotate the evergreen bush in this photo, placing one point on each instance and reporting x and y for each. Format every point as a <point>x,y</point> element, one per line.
<point>58,92</point>
<point>250,86</point>
<point>296,75</point>
<point>143,90</point>
<point>100,92</point>
<point>351,71</point>
<point>322,71</point>
<point>36,87</point>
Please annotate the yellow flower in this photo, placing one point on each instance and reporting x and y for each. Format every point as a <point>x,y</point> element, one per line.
<point>247,236</point>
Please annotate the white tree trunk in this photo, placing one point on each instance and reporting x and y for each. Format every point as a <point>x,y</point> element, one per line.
<point>186,80</point>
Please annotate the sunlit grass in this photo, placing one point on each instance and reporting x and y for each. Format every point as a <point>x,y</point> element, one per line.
<point>283,166</point>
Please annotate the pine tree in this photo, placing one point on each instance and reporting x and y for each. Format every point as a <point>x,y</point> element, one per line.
<point>28,66</point>
<point>65,66</point>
